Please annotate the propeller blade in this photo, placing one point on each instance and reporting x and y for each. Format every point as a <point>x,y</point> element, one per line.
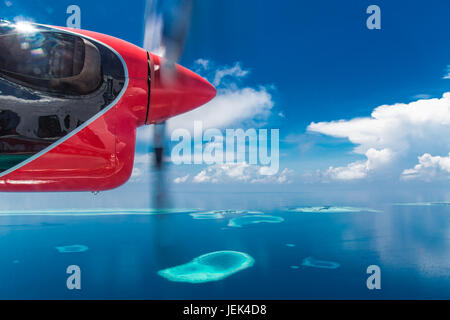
<point>176,26</point>
<point>159,144</point>
<point>153,27</point>
<point>166,27</point>
<point>167,24</point>
<point>159,185</point>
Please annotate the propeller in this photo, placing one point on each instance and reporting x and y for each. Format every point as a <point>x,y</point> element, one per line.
<point>166,27</point>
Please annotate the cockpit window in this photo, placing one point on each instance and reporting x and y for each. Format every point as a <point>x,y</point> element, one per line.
<point>53,61</point>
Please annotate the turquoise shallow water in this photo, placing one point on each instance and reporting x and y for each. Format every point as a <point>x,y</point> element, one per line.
<point>285,253</point>
<point>209,267</point>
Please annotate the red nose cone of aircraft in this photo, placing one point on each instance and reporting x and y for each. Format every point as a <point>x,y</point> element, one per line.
<point>175,90</point>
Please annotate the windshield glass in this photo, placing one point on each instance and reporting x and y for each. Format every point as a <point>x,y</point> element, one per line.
<point>43,55</point>
<point>49,60</point>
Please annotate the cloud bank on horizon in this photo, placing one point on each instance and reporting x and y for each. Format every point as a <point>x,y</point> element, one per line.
<point>400,141</point>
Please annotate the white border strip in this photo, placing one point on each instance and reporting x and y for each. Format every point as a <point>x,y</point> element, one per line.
<point>88,122</point>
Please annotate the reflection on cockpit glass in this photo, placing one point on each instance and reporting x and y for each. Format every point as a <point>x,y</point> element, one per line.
<point>51,82</point>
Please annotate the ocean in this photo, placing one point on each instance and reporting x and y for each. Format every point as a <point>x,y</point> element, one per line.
<point>303,251</point>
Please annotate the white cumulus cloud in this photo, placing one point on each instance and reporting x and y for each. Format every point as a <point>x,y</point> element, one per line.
<point>235,71</point>
<point>360,169</point>
<point>136,175</point>
<point>392,135</point>
<point>429,168</point>
<point>179,180</point>
<point>241,172</point>
<point>230,107</point>
<point>447,73</point>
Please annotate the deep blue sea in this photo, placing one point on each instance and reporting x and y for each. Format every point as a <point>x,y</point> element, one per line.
<point>298,251</point>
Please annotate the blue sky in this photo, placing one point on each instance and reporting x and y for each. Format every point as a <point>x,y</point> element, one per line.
<point>308,62</point>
